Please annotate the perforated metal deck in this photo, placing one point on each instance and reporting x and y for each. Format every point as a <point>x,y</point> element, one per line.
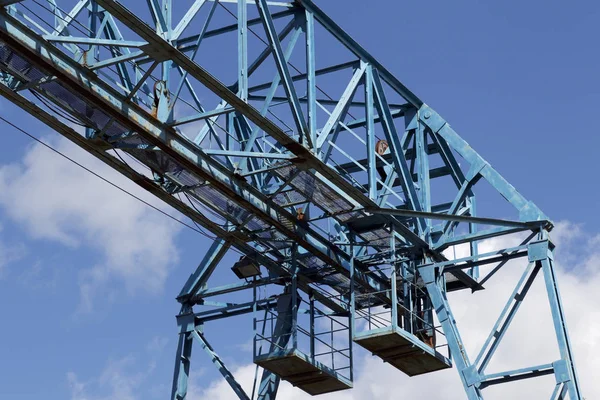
<point>402,350</point>
<point>296,368</point>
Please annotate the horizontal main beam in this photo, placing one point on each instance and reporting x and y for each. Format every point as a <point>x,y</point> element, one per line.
<point>98,94</point>
<point>93,41</point>
<point>150,185</point>
<point>457,218</point>
<point>161,47</point>
<point>517,375</point>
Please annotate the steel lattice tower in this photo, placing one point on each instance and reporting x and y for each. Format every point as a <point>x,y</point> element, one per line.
<point>267,125</point>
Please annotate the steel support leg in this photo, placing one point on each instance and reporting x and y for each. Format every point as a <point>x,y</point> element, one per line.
<point>182,365</point>
<point>269,385</point>
<point>467,372</point>
<point>564,370</point>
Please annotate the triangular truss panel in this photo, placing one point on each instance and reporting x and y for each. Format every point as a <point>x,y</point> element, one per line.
<point>269,126</point>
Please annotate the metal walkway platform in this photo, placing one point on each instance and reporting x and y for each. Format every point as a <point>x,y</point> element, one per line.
<point>296,368</point>
<point>402,350</point>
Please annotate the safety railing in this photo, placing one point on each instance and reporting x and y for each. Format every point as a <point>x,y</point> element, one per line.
<point>303,327</point>
<point>411,311</point>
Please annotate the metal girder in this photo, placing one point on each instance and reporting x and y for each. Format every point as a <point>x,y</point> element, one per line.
<point>440,302</point>
<point>181,373</point>
<point>515,300</point>
<point>459,218</point>
<point>191,156</point>
<point>474,375</point>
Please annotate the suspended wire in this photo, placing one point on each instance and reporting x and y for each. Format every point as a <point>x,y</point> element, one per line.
<point>58,111</point>
<point>64,12</point>
<point>196,229</point>
<point>194,207</point>
<point>190,200</point>
<point>101,177</point>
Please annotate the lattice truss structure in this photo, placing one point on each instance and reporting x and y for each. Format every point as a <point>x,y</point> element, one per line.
<point>267,125</point>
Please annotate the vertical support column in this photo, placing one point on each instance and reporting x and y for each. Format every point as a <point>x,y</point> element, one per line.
<point>185,320</point>
<point>468,373</point>
<point>352,286</point>
<point>92,26</point>
<point>164,113</point>
<point>351,319</point>
<point>407,298</point>
<point>242,12</point>
<point>181,374</point>
<point>564,370</point>
<point>370,128</point>
<point>311,84</point>
<point>182,367</point>
<point>295,296</point>
<point>230,123</point>
<point>423,176</point>
<point>312,329</point>
<point>393,285</point>
<point>474,272</point>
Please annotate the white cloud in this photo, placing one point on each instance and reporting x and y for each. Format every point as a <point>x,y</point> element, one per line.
<point>157,345</point>
<point>529,341</point>
<point>55,200</point>
<point>117,381</point>
<point>10,253</point>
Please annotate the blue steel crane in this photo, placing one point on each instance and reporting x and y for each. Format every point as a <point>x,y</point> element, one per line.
<point>269,126</point>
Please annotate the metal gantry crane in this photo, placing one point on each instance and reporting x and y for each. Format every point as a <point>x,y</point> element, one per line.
<point>269,126</point>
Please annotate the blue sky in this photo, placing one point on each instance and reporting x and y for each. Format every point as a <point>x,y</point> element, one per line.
<point>83,313</point>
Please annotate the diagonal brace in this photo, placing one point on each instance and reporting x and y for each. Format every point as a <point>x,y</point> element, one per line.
<point>284,72</point>
<point>237,388</point>
<point>208,264</point>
